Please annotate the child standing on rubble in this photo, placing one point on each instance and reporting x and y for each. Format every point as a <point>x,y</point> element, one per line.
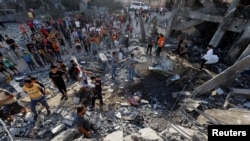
<point>97,91</point>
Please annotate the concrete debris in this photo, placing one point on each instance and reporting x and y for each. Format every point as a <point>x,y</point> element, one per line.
<point>126,113</point>
<point>184,132</point>
<point>58,128</point>
<point>181,93</point>
<point>149,134</point>
<point>219,91</point>
<point>118,115</point>
<point>144,101</point>
<point>115,136</point>
<point>240,99</point>
<point>67,135</point>
<point>174,77</point>
<point>198,136</point>
<point>103,58</point>
<point>68,120</point>
<point>191,104</point>
<point>227,116</point>
<point>247,104</point>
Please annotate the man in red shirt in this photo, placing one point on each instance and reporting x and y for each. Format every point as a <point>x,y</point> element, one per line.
<point>160,44</point>
<point>31,26</point>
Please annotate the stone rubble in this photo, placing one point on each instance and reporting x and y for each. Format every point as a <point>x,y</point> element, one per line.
<point>133,117</point>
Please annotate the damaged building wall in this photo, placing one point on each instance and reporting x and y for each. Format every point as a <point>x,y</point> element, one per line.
<point>228,21</point>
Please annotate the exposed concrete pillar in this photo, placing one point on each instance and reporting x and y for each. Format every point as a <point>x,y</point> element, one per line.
<point>143,34</point>
<point>224,78</point>
<point>170,22</point>
<point>207,3</point>
<point>245,53</point>
<point>220,32</point>
<point>217,36</point>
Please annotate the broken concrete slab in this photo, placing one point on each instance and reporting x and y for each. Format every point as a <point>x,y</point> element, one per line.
<point>219,91</point>
<point>240,99</point>
<point>184,132</point>
<point>224,78</point>
<point>68,120</point>
<point>103,57</point>
<point>182,93</point>
<point>115,136</point>
<point>66,135</point>
<point>247,104</point>
<point>198,136</point>
<point>227,116</point>
<point>240,92</point>
<point>58,128</point>
<point>143,101</point>
<point>150,134</point>
<point>190,104</point>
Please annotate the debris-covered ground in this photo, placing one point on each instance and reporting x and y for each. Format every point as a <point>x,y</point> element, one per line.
<point>157,105</point>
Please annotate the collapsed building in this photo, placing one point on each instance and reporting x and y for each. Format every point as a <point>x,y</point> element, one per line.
<point>224,25</point>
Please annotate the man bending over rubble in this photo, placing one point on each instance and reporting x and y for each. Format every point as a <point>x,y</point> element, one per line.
<point>83,124</point>
<point>9,103</point>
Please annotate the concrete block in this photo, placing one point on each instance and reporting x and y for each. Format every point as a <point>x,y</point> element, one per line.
<point>115,136</point>
<point>67,135</point>
<point>58,128</point>
<point>219,91</point>
<point>150,134</point>
<point>68,120</point>
<point>103,57</point>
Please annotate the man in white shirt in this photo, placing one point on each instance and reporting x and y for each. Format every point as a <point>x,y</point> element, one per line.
<point>207,56</point>
<point>78,24</point>
<point>83,80</point>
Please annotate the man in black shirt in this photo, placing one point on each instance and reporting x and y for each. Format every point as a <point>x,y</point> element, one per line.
<point>12,44</point>
<point>56,77</point>
<point>97,90</point>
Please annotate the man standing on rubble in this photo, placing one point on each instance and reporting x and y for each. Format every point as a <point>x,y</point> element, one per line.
<point>160,44</point>
<point>35,92</point>
<point>131,66</point>
<point>56,77</point>
<point>114,63</point>
<point>207,56</point>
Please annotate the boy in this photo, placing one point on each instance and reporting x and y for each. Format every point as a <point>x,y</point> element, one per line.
<point>34,92</point>
<point>8,65</point>
<point>97,91</point>
<point>56,77</point>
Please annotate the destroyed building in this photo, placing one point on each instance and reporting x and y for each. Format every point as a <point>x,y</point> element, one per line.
<point>223,24</point>
<point>169,100</point>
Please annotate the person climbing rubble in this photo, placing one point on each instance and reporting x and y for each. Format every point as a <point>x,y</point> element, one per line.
<point>9,103</point>
<point>97,91</point>
<point>83,81</point>
<point>34,91</point>
<point>56,77</point>
<point>83,124</point>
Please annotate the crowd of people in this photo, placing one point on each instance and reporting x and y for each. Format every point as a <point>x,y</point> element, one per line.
<point>48,41</point>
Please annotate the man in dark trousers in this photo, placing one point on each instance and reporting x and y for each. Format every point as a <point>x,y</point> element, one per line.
<point>150,44</point>
<point>84,125</point>
<point>56,77</point>
<point>12,45</point>
<point>97,91</point>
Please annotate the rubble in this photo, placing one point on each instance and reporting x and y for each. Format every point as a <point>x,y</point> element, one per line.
<point>115,136</point>
<point>147,109</point>
<point>149,134</point>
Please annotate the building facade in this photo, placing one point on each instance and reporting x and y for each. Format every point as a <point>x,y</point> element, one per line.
<point>152,3</point>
